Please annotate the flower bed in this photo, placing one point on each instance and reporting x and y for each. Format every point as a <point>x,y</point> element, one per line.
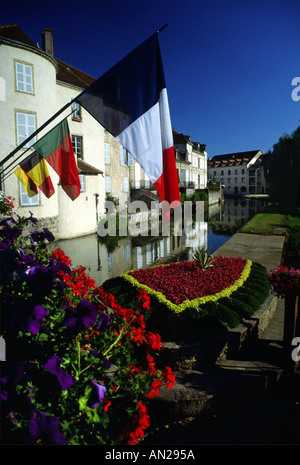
<point>285,281</point>
<point>208,314</point>
<point>79,366</point>
<point>184,284</point>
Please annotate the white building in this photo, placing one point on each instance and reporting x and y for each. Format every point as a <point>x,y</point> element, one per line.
<point>191,162</point>
<point>239,173</point>
<point>34,86</point>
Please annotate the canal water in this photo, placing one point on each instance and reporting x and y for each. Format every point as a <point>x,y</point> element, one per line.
<point>107,261</point>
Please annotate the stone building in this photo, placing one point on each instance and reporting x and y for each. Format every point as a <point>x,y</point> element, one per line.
<point>239,173</point>
<point>35,86</point>
<point>191,162</point>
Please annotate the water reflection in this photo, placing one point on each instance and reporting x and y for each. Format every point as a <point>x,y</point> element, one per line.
<point>103,263</point>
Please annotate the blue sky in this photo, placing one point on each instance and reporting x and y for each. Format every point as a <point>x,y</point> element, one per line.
<point>229,65</point>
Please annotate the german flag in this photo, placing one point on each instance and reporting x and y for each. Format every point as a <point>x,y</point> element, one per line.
<point>32,172</point>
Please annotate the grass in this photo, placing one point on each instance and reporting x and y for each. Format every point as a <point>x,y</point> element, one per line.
<point>270,220</point>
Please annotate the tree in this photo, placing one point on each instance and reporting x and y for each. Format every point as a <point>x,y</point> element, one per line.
<point>282,172</point>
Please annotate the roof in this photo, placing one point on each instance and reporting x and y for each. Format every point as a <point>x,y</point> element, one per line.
<point>65,73</point>
<point>85,168</point>
<point>13,32</point>
<point>233,159</point>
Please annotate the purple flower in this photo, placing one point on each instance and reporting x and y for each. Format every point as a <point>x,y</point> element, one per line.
<point>3,392</point>
<point>44,429</point>
<point>84,314</point>
<point>40,280</point>
<point>26,315</point>
<point>39,236</point>
<point>32,218</point>
<point>35,318</point>
<point>97,394</point>
<point>53,365</point>
<point>103,322</point>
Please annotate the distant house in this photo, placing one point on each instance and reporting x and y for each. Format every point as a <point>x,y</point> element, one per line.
<point>191,162</point>
<point>239,173</point>
<point>35,85</point>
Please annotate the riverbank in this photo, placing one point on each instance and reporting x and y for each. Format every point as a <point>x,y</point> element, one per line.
<point>207,400</point>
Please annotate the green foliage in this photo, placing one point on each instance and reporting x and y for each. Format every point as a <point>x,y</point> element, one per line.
<point>203,258</point>
<point>293,234</point>
<point>211,317</point>
<point>79,365</point>
<point>282,168</point>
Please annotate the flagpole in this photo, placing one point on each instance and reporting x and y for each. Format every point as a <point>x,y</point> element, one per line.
<point>162,28</point>
<point>13,152</point>
<point>21,155</point>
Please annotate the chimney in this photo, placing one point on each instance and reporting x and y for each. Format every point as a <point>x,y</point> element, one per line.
<point>47,41</point>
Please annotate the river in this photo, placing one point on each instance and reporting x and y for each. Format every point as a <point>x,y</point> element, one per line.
<point>103,262</point>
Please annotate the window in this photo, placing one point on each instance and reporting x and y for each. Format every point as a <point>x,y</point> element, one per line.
<point>24,80</point>
<point>106,153</point>
<point>123,156</point>
<point>107,184</point>
<point>229,180</point>
<point>77,146</point>
<point>25,127</point>
<point>235,171</point>
<point>130,160</point>
<point>27,201</point>
<point>76,116</point>
<point>125,184</point>
<point>243,180</point>
<point>236,180</point>
<point>82,182</point>
<point>229,172</point>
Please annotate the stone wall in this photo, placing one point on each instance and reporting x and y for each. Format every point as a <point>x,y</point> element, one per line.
<point>215,196</point>
<point>52,223</point>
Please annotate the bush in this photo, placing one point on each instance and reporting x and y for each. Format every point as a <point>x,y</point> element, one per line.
<point>80,367</point>
<point>210,317</point>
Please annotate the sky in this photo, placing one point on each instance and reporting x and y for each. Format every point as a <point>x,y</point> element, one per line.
<point>229,65</point>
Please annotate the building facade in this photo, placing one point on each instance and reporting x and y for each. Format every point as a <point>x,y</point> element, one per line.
<point>191,162</point>
<point>36,85</point>
<point>239,173</point>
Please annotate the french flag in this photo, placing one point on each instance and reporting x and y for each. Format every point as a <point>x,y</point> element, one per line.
<point>130,101</point>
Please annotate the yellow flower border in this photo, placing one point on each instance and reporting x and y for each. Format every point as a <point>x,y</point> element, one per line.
<point>195,302</point>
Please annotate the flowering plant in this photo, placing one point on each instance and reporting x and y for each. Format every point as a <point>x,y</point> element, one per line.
<point>285,281</point>
<point>79,366</point>
<point>181,285</point>
<point>6,204</point>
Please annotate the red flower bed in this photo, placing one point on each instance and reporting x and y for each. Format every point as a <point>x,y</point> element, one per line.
<point>185,280</point>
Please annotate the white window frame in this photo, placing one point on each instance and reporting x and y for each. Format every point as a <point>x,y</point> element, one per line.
<point>77,142</point>
<point>82,183</point>
<point>24,77</point>
<point>25,200</point>
<point>106,153</point>
<point>26,125</point>
<point>125,184</point>
<point>76,115</point>
<point>130,159</point>
<point>107,184</point>
<point>123,157</point>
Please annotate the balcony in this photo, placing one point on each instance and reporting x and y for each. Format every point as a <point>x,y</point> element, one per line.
<point>141,185</point>
<point>187,184</point>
